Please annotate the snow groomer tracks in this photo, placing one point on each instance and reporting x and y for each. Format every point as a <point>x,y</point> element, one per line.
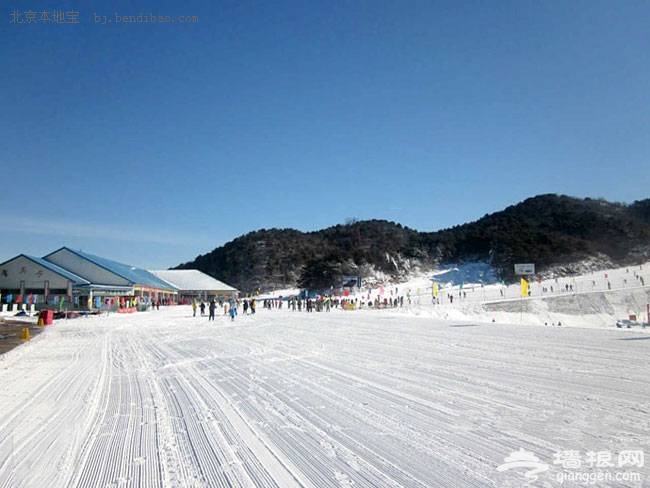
<point>292,400</point>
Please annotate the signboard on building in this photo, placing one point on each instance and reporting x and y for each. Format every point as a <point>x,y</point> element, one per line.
<point>524,269</point>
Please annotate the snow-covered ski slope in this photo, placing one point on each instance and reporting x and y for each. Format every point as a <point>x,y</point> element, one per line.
<point>595,299</point>
<point>288,399</point>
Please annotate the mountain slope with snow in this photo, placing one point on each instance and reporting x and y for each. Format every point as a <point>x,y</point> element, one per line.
<point>552,231</point>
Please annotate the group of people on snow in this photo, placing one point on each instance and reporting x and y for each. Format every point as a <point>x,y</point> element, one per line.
<point>229,307</point>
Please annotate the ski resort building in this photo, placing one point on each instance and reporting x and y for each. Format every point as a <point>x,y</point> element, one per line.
<point>28,280</point>
<point>192,283</point>
<point>81,280</point>
<point>110,278</point>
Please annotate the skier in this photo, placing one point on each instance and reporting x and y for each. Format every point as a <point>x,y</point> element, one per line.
<point>245,306</point>
<point>211,308</point>
<point>252,306</point>
<point>194,308</point>
<point>202,307</point>
<point>233,311</point>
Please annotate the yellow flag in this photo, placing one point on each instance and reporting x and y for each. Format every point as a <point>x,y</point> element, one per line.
<point>524,288</point>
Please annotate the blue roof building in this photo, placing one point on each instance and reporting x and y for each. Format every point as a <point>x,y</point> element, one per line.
<point>105,275</point>
<point>79,278</point>
<point>24,274</point>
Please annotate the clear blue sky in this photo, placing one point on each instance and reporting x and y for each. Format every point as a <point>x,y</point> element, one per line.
<point>153,143</point>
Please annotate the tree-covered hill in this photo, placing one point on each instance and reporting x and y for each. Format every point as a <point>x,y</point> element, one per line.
<point>549,230</point>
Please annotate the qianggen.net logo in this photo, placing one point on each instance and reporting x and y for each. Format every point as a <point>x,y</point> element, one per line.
<point>571,466</point>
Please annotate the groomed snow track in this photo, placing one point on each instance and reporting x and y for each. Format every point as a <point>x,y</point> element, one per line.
<point>338,399</point>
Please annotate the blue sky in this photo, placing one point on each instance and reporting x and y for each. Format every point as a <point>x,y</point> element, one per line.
<point>152,143</point>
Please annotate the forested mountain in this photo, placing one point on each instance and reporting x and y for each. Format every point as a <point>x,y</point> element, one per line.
<point>548,230</point>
